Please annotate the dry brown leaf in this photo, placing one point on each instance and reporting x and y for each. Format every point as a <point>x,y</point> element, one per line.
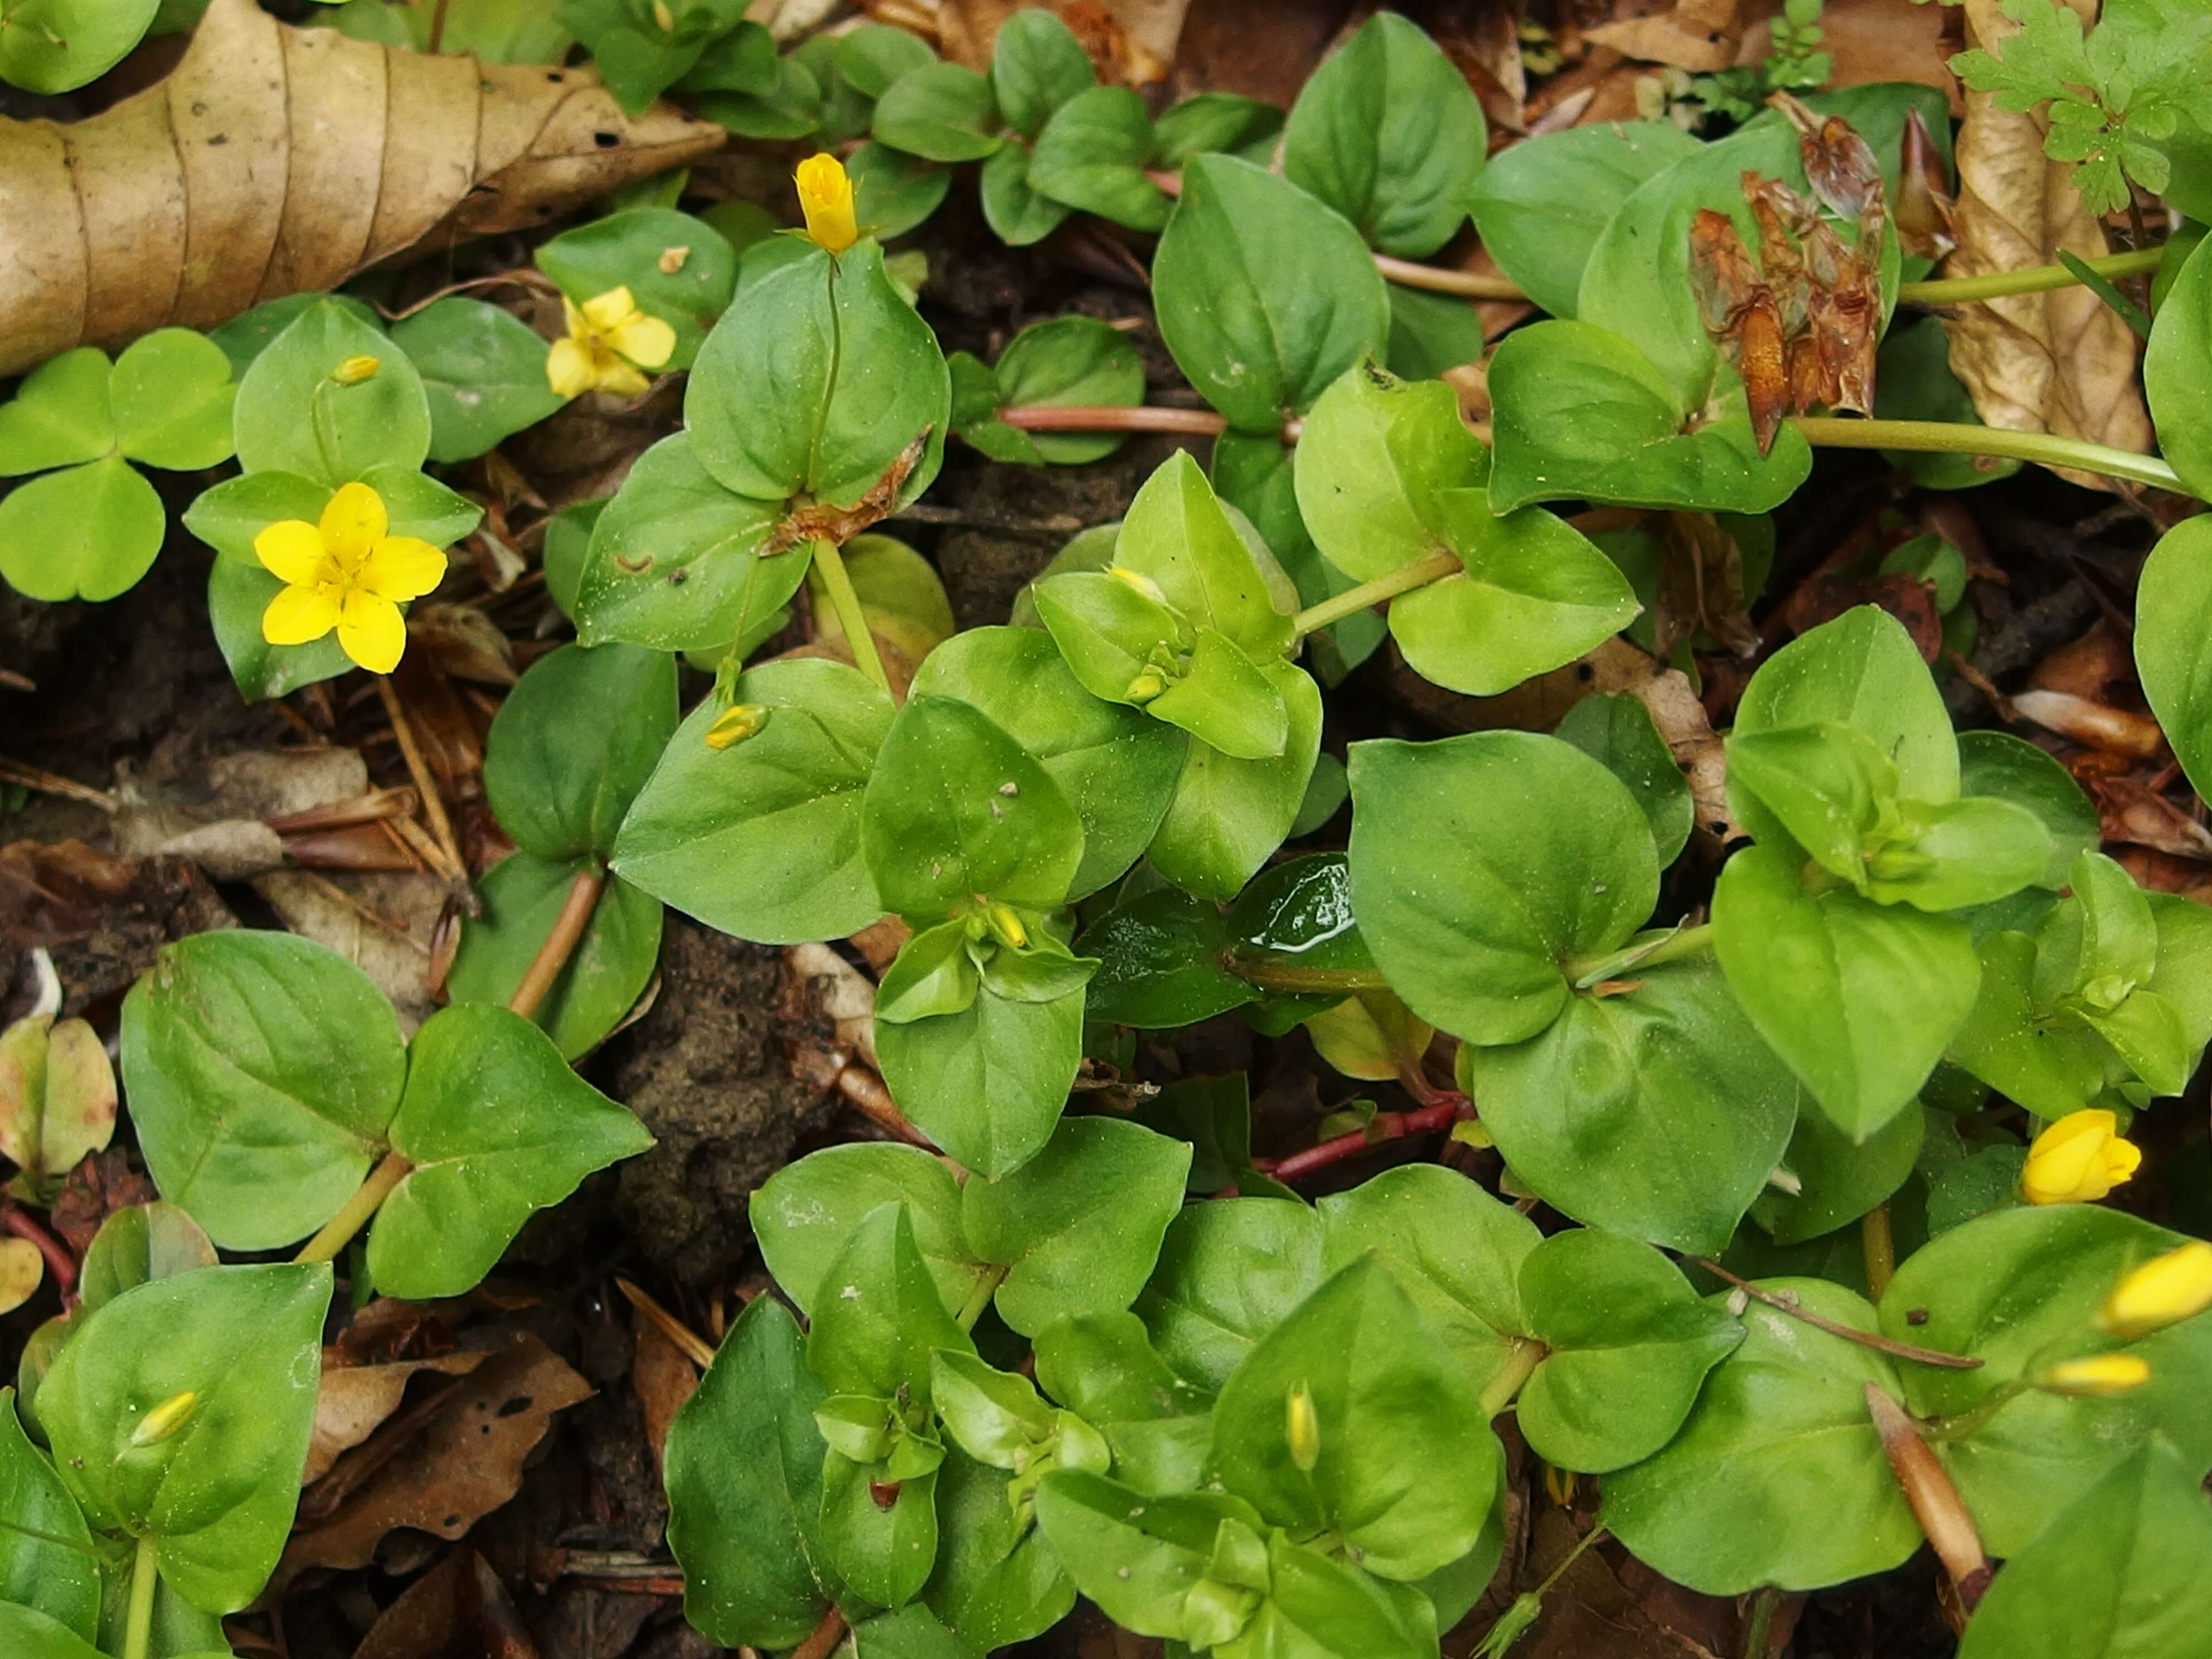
<point>460,1464</point>
<point>2131,810</point>
<point>269,163</point>
<point>1132,42</point>
<point>2112,731</point>
<point>663,1378</point>
<point>2062,362</point>
<point>1701,35</point>
<point>1868,41</point>
<point>354,1400</point>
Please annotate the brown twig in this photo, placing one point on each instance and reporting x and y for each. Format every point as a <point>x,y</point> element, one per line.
<point>696,1348</point>
<point>824,1636</point>
<point>1385,1125</point>
<point>433,807</point>
<point>865,1090</point>
<point>437,30</point>
<point>1438,280</point>
<point>560,941</point>
<point>53,783</point>
<point>1108,417</point>
<point>1785,1305</point>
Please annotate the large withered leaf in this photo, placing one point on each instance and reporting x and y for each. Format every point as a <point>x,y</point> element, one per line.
<point>277,160</point>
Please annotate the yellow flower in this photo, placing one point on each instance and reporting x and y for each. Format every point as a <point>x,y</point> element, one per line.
<point>2106,1373</point>
<point>734,725</point>
<point>2165,1290</point>
<point>347,574</point>
<point>610,340</point>
<point>2078,1159</point>
<point>825,196</point>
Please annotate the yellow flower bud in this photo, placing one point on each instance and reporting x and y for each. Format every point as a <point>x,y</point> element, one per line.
<point>1148,684</point>
<point>2078,1159</point>
<point>2104,1373</point>
<point>1302,1428</point>
<point>354,370</point>
<point>1137,578</point>
<point>735,724</point>
<point>825,196</point>
<point>2165,1290</point>
<point>1006,926</point>
<point>165,1419</point>
<point>663,17</point>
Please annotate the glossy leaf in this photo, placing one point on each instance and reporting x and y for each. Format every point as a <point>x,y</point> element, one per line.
<point>1229,1272</point>
<point>46,1559</point>
<point>805,1212</point>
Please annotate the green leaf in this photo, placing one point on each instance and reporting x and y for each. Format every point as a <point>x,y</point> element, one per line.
<point>1859,999</point>
<point>1480,862</point>
<point>1839,1179</point>
<point>1998,766</point>
<point>1913,381</point>
<point>2018,1289</point>
<point>997,1580</point>
<point>1229,1272</point>
<point>878,1317</point>
<point>2174,636</point>
<point>483,371</point>
<point>679,563</point>
<point>46,1559</point>
<point>246,337</point>
<point>892,191</point>
<point>1456,1250</point>
<point>1102,1368</point>
<point>1036,65</point>
<point>263,1071</point>
<point>1723,1509</point>
<point>743,1472</point>
<point>1158,963</point>
<point>1077,1228</point>
<point>871,58</point>
<point>1580,411</point>
<point>573,744</point>
<point>956,808</point>
<point>764,839</point>
<point>1070,361</point>
<point>217,1494</point>
<point>237,595</point>
<point>941,112</point>
<point>62,414</point>
<point>2120,1570</point>
<point>1615,730</point>
<point>421,507</point>
<point>885,1550</point>
<point>137,1245</point>
<point>792,109</point>
<point>1658,1113</point>
<point>806,1212</point>
<point>1228,814</point>
<point>230,514</point>
<point>678,268</point>
<point>1017,214</point>
<point>497,1128</point>
<point>1321,1605</point>
<point>32,1634</point>
<point>1116,767</point>
<point>52,46</point>
<point>90,531</point>
<point>1138,1558</point>
<point>2173,377</point>
<point>293,416</point>
<point>1209,121</point>
<point>1092,155</point>
<point>1375,456</point>
<point>1389,133</point>
<point>818,384</point>
<point>1541,204</point>
<point>1265,295</point>
<point>986,1084</point>
<point>1406,1469</point>
<point>607,973</point>
<point>1177,534</point>
<point>1826,784</point>
<point>1629,1341</point>
<point>172,395</point>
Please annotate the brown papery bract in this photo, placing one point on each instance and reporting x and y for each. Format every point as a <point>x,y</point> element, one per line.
<point>277,160</point>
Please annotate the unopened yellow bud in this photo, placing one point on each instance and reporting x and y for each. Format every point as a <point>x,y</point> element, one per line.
<point>1302,1428</point>
<point>663,17</point>
<point>1138,579</point>
<point>825,197</point>
<point>1147,685</point>
<point>2078,1159</point>
<point>2106,1373</point>
<point>1006,926</point>
<point>735,724</point>
<point>354,370</point>
<point>2165,1290</point>
<point>165,1419</point>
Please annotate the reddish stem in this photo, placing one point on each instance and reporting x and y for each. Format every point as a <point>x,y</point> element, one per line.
<point>560,941</point>
<point>825,1636</point>
<point>1387,1126</point>
<point>61,1266</point>
<point>1142,417</point>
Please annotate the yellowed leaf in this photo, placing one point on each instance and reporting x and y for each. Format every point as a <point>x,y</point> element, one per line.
<point>22,1267</point>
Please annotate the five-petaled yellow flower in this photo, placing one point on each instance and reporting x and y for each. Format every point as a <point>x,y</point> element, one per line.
<point>610,342</point>
<point>2078,1159</point>
<point>347,574</point>
<point>825,196</point>
<point>2101,1374</point>
<point>2165,1290</point>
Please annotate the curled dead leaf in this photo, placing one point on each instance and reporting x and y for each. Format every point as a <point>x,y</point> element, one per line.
<point>354,1401</point>
<point>1701,35</point>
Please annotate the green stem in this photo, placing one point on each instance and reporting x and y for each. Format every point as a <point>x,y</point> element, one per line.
<point>1520,1365</point>
<point>1584,971</point>
<point>2038,279</point>
<point>1760,1621</point>
<point>980,1297</point>
<point>339,1230</point>
<point>1273,974</point>
<point>138,1632</point>
<point>1878,1249</point>
<point>1352,601</point>
<point>1958,438</point>
<point>845,602</point>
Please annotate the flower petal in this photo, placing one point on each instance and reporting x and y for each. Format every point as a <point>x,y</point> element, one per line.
<point>292,551</point>
<point>609,311</point>
<point>574,319</point>
<point>649,342</point>
<point>300,616</point>
<point>371,632</point>
<point>568,369</point>
<point>402,567</point>
<point>620,379</point>
<point>354,522</point>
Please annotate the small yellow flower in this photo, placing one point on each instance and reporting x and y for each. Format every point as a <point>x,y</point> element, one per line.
<point>2165,1290</point>
<point>2078,1159</point>
<point>825,196</point>
<point>165,1419</point>
<point>609,340</point>
<point>1302,1429</point>
<point>354,370</point>
<point>347,574</point>
<point>2106,1373</point>
<point>1006,925</point>
<point>734,725</point>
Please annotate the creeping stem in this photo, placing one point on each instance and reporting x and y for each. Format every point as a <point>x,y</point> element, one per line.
<point>138,1631</point>
<point>980,1298</point>
<point>339,1230</point>
<point>560,940</point>
<point>2037,279</point>
<point>1275,973</point>
<point>1405,578</point>
<point>845,602</point>
<point>1957,438</point>
<point>1520,1365</point>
